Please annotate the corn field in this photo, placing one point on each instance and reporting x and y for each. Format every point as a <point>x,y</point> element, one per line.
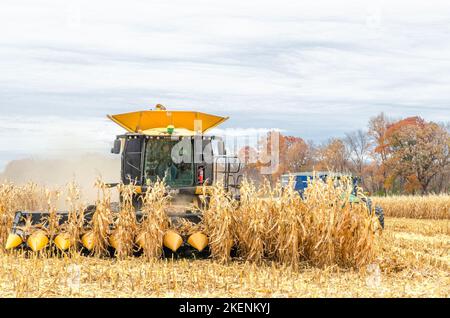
<point>272,243</point>
<point>266,224</point>
<point>416,207</point>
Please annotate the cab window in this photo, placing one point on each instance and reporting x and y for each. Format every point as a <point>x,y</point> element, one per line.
<point>160,165</point>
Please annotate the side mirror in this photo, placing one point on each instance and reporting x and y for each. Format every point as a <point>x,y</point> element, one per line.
<point>116,148</point>
<point>221,146</point>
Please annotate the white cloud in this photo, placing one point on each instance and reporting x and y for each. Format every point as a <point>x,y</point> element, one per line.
<point>313,69</point>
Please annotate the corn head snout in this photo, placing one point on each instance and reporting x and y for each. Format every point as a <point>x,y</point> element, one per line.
<point>36,237</point>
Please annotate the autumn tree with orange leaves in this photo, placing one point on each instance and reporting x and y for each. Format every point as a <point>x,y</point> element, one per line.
<point>418,151</point>
<point>407,156</point>
<point>333,156</point>
<point>378,169</point>
<point>293,155</point>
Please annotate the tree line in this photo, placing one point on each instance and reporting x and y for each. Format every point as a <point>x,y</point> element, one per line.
<point>392,156</point>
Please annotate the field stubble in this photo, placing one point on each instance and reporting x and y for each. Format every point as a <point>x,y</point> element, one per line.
<point>412,265</point>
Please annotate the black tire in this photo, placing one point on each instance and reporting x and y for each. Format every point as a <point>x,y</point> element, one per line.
<point>88,213</point>
<point>380,215</point>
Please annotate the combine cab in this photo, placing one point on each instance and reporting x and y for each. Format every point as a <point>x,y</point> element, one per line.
<point>301,181</point>
<point>158,145</point>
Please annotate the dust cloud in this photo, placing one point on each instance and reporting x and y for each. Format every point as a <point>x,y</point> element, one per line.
<point>56,173</point>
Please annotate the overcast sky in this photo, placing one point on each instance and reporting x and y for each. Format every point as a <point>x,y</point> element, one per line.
<point>315,70</point>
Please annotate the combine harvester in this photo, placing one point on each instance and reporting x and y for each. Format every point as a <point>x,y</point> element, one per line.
<point>146,155</point>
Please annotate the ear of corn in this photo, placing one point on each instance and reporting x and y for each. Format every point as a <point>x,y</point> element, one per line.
<point>219,222</point>
<point>101,220</point>
<point>124,229</point>
<point>74,227</point>
<point>155,222</point>
<point>322,229</point>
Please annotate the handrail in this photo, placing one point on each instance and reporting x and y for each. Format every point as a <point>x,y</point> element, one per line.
<point>227,171</point>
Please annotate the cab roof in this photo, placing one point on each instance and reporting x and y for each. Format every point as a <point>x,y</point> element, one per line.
<point>160,121</point>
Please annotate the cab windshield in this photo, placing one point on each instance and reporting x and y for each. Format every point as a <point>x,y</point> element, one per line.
<point>159,164</point>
